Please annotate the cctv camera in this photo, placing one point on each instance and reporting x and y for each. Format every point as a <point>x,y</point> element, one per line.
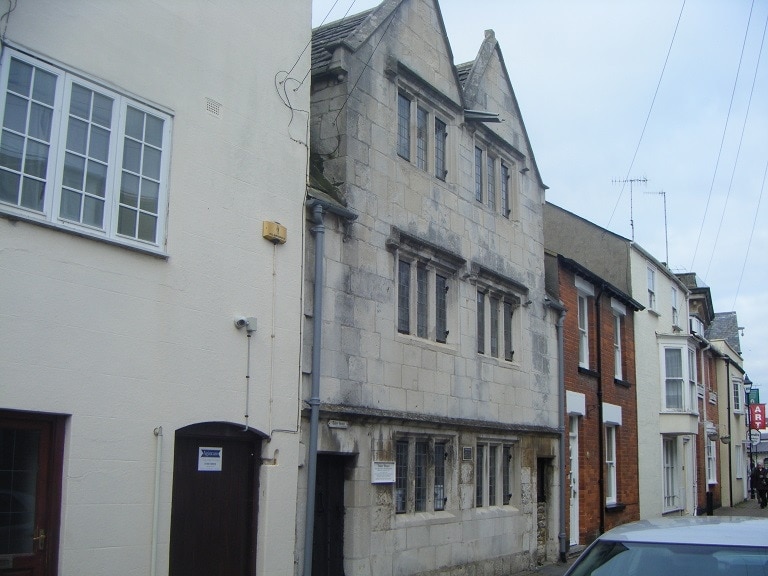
<point>241,322</point>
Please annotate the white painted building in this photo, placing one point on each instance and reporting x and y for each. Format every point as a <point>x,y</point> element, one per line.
<point>667,395</point>
<point>144,144</point>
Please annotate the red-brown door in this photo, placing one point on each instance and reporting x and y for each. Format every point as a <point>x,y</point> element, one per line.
<point>213,515</point>
<point>30,493</point>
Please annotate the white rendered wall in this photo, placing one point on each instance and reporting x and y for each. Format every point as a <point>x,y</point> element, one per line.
<point>125,342</point>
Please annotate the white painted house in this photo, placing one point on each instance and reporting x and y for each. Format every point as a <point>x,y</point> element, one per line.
<point>144,146</point>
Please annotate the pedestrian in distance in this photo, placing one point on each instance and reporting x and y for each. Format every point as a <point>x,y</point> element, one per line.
<point>759,480</point>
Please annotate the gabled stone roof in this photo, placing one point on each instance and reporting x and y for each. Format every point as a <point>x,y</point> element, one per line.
<point>326,37</point>
<point>725,326</point>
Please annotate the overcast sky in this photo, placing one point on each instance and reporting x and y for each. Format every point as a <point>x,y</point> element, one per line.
<point>586,74</point>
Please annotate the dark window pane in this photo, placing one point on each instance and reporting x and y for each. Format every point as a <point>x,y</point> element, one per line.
<point>420,477</point>
<point>404,127</point>
<point>19,77</point>
<point>74,171</point>
<point>99,145</point>
<point>134,124</point>
<point>132,156</point>
<point>15,117</point>
<point>93,211</point>
<point>11,150</point>
<point>126,222</point>
<point>96,179</point>
<point>102,110</point>
<point>440,496</point>
<point>70,205</point>
<point>36,161</point>
<point>149,194</point>
<point>129,190</point>
<point>492,454</point>
<point>421,138</point>
<point>9,187</point>
<point>508,344</point>
<point>45,87</point>
<point>33,194</point>
<point>441,308</point>
<point>422,303</point>
<point>441,134</point>
<point>506,462</point>
<point>151,165</point>
<point>401,476</point>
<point>77,136</point>
<point>480,322</point>
<point>40,119</point>
<point>147,227</point>
<point>403,298</point>
<point>80,102</point>
<point>478,174</point>
<point>479,485</point>
<point>154,131</point>
<point>494,327</point>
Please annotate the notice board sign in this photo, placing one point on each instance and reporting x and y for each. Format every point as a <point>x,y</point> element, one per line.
<point>382,472</point>
<point>209,459</point>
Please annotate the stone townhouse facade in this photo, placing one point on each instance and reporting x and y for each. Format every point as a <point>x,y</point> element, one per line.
<point>431,385</point>
<point>143,148</point>
<point>600,383</point>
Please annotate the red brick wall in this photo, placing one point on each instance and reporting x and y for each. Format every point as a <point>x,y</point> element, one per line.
<point>591,498</point>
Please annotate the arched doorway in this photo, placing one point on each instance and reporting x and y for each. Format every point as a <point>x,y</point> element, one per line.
<point>215,500</point>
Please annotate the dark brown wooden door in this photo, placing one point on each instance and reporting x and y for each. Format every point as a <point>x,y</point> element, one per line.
<point>213,517</point>
<point>328,535</point>
<point>30,493</point>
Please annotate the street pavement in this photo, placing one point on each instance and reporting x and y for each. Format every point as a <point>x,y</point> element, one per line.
<point>746,508</point>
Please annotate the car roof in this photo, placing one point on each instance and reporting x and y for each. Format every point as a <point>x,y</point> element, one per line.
<point>727,530</point>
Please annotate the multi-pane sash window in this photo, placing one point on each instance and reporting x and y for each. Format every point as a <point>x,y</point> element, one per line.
<point>651,289</point>
<point>675,312</point>
<point>420,475</point>
<point>404,126</point>
<point>693,396</point>
<point>617,359</point>
<point>478,174</point>
<point>441,135</point>
<point>81,156</point>
<point>711,461</point>
<point>583,320</point>
<point>736,386</point>
<point>610,465</point>
<point>421,138</point>
<point>493,474</point>
<point>491,180</point>
<point>671,496</point>
<point>673,367</point>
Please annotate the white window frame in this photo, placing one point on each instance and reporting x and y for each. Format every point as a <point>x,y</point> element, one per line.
<point>611,487</point>
<point>651,278</point>
<point>711,460</point>
<point>584,292</point>
<point>675,310</point>
<point>738,395</point>
<point>619,313</point>
<point>685,380</point>
<point>671,496</point>
<point>693,370</point>
<point>51,212</point>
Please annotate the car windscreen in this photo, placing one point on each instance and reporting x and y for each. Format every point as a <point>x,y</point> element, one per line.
<point>609,558</point>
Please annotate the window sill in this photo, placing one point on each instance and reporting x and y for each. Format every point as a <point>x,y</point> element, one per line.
<point>615,507</point>
<point>622,383</point>
<point>653,312</point>
<point>588,372</point>
<point>14,217</point>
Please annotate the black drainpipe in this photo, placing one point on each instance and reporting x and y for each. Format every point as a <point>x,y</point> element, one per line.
<point>600,438</point>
